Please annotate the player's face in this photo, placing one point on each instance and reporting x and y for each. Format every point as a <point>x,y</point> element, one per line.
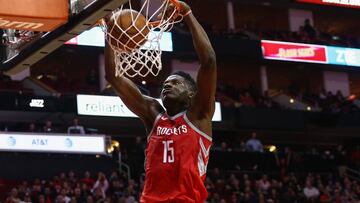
<point>174,88</point>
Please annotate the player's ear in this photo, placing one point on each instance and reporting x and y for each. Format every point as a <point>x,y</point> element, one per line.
<point>191,94</point>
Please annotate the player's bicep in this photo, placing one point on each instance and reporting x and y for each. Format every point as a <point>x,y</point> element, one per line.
<point>146,108</point>
<point>128,91</point>
<point>204,100</point>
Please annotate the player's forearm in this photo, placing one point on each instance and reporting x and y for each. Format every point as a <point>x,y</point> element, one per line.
<point>201,41</point>
<point>109,64</point>
<point>124,87</point>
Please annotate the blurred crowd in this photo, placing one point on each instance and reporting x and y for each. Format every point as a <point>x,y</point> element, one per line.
<point>306,33</point>
<point>66,188</point>
<point>224,186</point>
<point>319,101</point>
<point>286,182</point>
<point>260,188</point>
<point>230,96</point>
<point>47,127</point>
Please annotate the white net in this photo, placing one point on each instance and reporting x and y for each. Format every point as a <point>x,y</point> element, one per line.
<point>139,53</point>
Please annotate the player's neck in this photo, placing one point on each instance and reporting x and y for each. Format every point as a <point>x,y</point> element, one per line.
<point>175,110</point>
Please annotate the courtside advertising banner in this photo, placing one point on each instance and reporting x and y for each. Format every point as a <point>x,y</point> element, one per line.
<point>341,3</point>
<point>96,37</point>
<point>52,143</point>
<point>343,56</point>
<point>287,51</point>
<point>113,106</point>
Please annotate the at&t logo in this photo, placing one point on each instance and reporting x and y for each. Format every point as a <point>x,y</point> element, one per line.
<point>11,141</point>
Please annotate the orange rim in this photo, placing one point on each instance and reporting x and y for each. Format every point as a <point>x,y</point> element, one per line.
<point>176,4</point>
<point>178,8</point>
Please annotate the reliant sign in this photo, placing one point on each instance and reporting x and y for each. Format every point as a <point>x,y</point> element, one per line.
<point>52,143</point>
<point>113,106</point>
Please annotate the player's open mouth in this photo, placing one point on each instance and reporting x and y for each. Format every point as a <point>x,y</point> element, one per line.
<point>167,91</point>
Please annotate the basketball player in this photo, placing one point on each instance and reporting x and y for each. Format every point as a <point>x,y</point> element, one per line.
<point>179,136</point>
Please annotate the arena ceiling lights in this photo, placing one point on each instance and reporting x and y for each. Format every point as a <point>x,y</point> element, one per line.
<point>340,3</point>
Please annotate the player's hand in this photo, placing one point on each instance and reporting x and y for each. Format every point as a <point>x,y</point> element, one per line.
<point>184,8</point>
<point>175,9</point>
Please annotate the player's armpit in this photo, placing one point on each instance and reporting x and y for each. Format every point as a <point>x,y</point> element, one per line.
<point>147,108</point>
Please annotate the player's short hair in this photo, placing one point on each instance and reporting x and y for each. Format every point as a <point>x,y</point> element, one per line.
<point>191,82</point>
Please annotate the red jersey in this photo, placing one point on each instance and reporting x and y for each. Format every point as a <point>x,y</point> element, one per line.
<point>177,155</point>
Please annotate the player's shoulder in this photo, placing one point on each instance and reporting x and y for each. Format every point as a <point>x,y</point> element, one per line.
<point>154,103</point>
<point>154,110</point>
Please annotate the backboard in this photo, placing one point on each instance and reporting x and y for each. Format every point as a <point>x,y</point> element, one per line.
<point>19,49</point>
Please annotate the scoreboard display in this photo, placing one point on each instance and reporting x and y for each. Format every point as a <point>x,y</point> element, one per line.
<point>311,53</point>
<point>340,3</point>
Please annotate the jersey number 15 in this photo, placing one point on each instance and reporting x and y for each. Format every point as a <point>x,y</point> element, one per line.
<point>168,151</point>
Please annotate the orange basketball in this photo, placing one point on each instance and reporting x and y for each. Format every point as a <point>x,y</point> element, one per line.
<point>130,32</point>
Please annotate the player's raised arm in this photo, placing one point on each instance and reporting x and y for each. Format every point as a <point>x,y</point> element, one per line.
<point>147,108</point>
<point>203,106</point>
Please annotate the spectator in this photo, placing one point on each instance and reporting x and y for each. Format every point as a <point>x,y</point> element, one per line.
<point>340,97</point>
<point>48,195</point>
<point>32,128</point>
<point>242,147</point>
<point>76,128</point>
<point>27,198</point>
<point>223,147</point>
<point>46,79</point>
<point>41,199</point>
<point>92,78</point>
<point>253,144</point>
<point>78,195</point>
<point>283,162</point>
<point>48,127</point>
<point>355,157</point>
<point>87,180</point>
<point>247,100</point>
<point>309,29</point>
<point>340,155</point>
<point>89,199</point>
<point>64,195</point>
<point>289,195</point>
<point>72,178</point>
<point>117,188</point>
<point>311,193</point>
<point>265,100</point>
<point>14,196</point>
<point>325,196</point>
<point>264,184</point>
<point>101,185</point>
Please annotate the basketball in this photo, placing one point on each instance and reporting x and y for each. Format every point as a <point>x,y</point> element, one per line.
<point>127,30</point>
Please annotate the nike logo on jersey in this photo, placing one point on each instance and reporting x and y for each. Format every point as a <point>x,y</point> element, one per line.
<point>171,131</point>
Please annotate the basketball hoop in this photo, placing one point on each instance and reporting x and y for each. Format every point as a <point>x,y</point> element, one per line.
<point>145,59</point>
